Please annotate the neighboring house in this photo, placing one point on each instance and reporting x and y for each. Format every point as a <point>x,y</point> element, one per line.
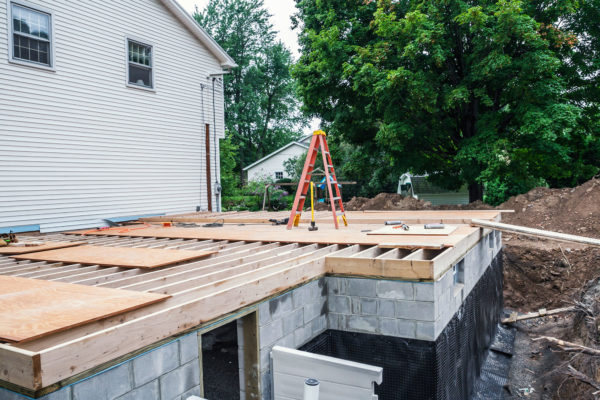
<point>106,110</point>
<point>419,187</point>
<point>271,166</point>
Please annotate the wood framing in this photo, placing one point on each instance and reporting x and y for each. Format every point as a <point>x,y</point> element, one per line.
<point>251,263</point>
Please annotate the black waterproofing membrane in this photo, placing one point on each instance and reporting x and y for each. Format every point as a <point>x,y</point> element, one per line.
<point>446,369</point>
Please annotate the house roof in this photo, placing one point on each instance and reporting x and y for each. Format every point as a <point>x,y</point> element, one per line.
<point>189,22</point>
<point>275,153</point>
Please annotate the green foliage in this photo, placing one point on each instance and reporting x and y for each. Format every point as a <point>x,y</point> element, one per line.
<point>293,166</point>
<point>261,107</point>
<point>490,93</point>
<point>228,153</point>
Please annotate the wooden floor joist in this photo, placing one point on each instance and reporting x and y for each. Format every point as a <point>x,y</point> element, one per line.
<point>251,263</point>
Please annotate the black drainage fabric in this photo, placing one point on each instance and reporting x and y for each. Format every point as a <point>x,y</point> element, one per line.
<point>415,369</point>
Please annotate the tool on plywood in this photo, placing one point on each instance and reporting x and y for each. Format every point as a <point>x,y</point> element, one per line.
<point>318,142</point>
<point>8,238</point>
<point>313,226</point>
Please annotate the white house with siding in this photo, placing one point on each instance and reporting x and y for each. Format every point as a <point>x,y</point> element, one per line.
<point>108,109</point>
<point>272,166</point>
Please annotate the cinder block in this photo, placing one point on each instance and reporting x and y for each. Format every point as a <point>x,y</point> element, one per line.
<point>188,348</point>
<point>387,308</point>
<point>286,341</point>
<point>361,287</point>
<point>395,290</point>
<point>388,326</point>
<point>265,358</point>
<point>281,305</point>
<point>417,310</point>
<point>407,328</point>
<point>266,385</point>
<point>147,391</point>
<point>63,394</point>
<point>155,363</point>
<point>312,311</point>
<point>270,333</point>
<point>339,304</point>
<point>195,391</point>
<point>180,380</point>
<point>301,296</point>
<point>333,321</point>
<point>426,330</point>
<point>333,285</point>
<point>318,325</point>
<point>302,335</point>
<point>355,302</point>
<point>106,385</point>
<point>424,291</point>
<point>359,323</point>
<point>368,306</point>
<point>264,315</point>
<point>293,321</point>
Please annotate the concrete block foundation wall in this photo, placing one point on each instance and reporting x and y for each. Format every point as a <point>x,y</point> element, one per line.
<point>402,309</point>
<point>290,320</point>
<point>169,372</point>
<point>411,310</point>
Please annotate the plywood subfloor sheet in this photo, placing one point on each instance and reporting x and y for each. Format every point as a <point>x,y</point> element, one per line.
<point>32,308</point>
<point>22,249</point>
<point>116,256</point>
<point>326,234</point>
<point>414,230</point>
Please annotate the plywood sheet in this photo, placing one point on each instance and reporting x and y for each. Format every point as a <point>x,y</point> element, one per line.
<point>32,308</point>
<point>327,234</point>
<point>116,256</point>
<point>22,249</point>
<point>414,230</point>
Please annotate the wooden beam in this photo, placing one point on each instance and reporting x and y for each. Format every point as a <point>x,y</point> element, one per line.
<point>522,230</point>
<point>251,356</point>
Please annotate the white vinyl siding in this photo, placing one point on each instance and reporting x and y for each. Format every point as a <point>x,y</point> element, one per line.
<point>78,145</point>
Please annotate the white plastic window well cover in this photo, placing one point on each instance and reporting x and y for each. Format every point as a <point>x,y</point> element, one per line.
<point>31,35</point>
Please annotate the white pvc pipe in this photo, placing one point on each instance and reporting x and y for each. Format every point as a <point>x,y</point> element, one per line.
<point>311,389</point>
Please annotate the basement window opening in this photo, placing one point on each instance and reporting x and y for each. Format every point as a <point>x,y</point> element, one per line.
<point>220,369</point>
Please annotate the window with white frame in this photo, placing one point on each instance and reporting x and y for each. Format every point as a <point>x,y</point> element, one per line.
<point>31,39</point>
<point>139,64</point>
<point>278,175</point>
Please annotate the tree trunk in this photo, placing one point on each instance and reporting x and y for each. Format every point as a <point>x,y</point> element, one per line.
<point>475,192</point>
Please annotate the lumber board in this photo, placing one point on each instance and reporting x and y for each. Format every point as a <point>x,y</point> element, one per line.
<point>33,308</point>
<point>19,367</point>
<point>22,248</point>
<point>325,235</point>
<point>126,257</point>
<point>354,217</point>
<point>414,230</point>
<point>66,359</point>
<point>562,237</point>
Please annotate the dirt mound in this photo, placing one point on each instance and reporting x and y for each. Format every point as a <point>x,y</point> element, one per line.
<point>571,210</point>
<point>386,201</point>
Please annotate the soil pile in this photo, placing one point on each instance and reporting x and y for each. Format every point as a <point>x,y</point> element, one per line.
<point>571,210</point>
<point>386,201</point>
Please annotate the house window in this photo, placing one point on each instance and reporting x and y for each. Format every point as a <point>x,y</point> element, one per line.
<point>140,64</point>
<point>278,175</point>
<point>31,41</point>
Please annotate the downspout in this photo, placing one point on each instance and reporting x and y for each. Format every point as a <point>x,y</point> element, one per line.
<point>217,171</point>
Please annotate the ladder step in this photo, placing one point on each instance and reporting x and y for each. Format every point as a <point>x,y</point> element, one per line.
<point>336,198</point>
<point>339,213</point>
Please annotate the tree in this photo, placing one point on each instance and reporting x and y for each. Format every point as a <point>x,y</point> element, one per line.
<point>228,153</point>
<point>261,107</point>
<point>467,91</point>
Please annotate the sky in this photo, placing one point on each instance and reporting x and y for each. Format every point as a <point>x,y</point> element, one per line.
<point>281,11</point>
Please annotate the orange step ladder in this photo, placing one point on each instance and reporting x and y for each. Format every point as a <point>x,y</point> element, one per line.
<point>318,142</point>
